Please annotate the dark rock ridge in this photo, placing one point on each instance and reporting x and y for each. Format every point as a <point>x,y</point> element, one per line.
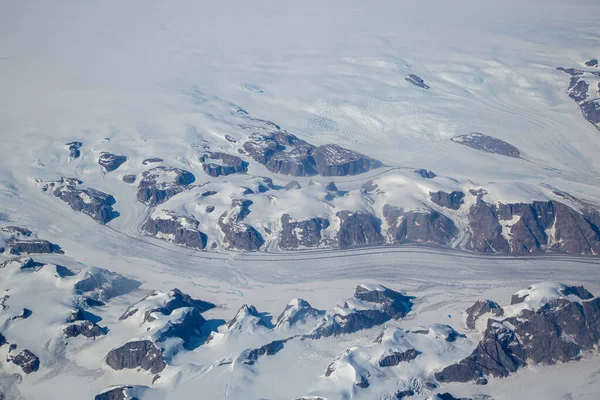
<point>297,311</point>
<point>268,349</point>
<point>74,147</point>
<point>301,233</point>
<point>378,304</point>
<point>152,160</point>
<point>592,63</point>
<point>542,225</point>
<point>32,246</point>
<point>579,92</point>
<point>425,173</point>
<point>558,331</point>
<point>358,228</point>
<point>159,184</point>
<point>284,153</point>
<point>137,354</point>
<point>428,226</point>
<point>96,204</point>
<point>451,200</point>
<point>239,235</point>
<point>246,312</point>
<point>26,360</point>
<point>479,308</point>
<point>417,81</point>
<point>185,328</point>
<point>396,357</point>
<point>102,285</point>
<point>217,164</point>
<point>175,228</point>
<point>175,299</point>
<point>16,231</point>
<point>86,328</point>
<point>489,144</point>
<point>110,162</point>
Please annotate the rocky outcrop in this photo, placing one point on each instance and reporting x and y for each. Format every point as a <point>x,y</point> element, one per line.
<point>92,202</point>
<point>592,63</point>
<point>395,357</point>
<point>187,326</point>
<point>85,328</point>
<point>358,228</point>
<point>129,178</point>
<point>371,305</point>
<point>26,360</point>
<point>489,144</point>
<point>301,233</point>
<point>239,235</point>
<point>550,324</point>
<point>451,200</point>
<point>2,340</point>
<point>163,303</point>
<point>175,228</point>
<point>417,81</point>
<point>102,285</point>
<point>110,162</point>
<point>579,91</point>
<point>298,311</point>
<point>284,153</point>
<point>539,226</point>
<point>480,308</point>
<point>425,173</point>
<point>137,354</point>
<point>161,183</point>
<point>74,147</point>
<point>217,164</point>
<point>122,393</point>
<point>427,226</point>
<point>32,246</point>
<point>152,160</point>
<point>250,357</point>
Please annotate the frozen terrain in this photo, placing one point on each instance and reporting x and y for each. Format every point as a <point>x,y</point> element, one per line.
<point>260,200</point>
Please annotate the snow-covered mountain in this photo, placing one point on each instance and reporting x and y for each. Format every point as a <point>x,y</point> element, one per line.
<point>325,200</point>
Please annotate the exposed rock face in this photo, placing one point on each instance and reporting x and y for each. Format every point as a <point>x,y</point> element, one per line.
<point>303,233</point>
<point>579,90</point>
<point>238,235</point>
<point>417,81</point>
<point>186,327</point>
<point>85,328</point>
<point>358,228</point>
<point>122,393</point>
<point>284,153</point>
<point>396,357</point>
<point>110,162</point>
<point>425,173</point>
<point>448,396</point>
<point>96,204</point>
<point>552,327</point>
<point>371,305</point>
<point>479,308</point>
<point>418,226</point>
<point>178,229</point>
<point>217,164</point>
<point>269,349</point>
<point>2,340</point>
<point>489,144</point>
<point>533,227</point>
<point>16,231</point>
<point>292,185</point>
<point>161,183</point>
<point>143,354</point>
<point>74,149</point>
<point>451,200</point>
<point>297,311</point>
<point>26,360</point>
<point>100,284</point>
<point>246,313</point>
<point>32,246</point>
<point>129,178</point>
<point>164,303</point>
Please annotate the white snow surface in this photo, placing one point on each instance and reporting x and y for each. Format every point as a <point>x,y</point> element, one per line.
<point>168,79</point>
